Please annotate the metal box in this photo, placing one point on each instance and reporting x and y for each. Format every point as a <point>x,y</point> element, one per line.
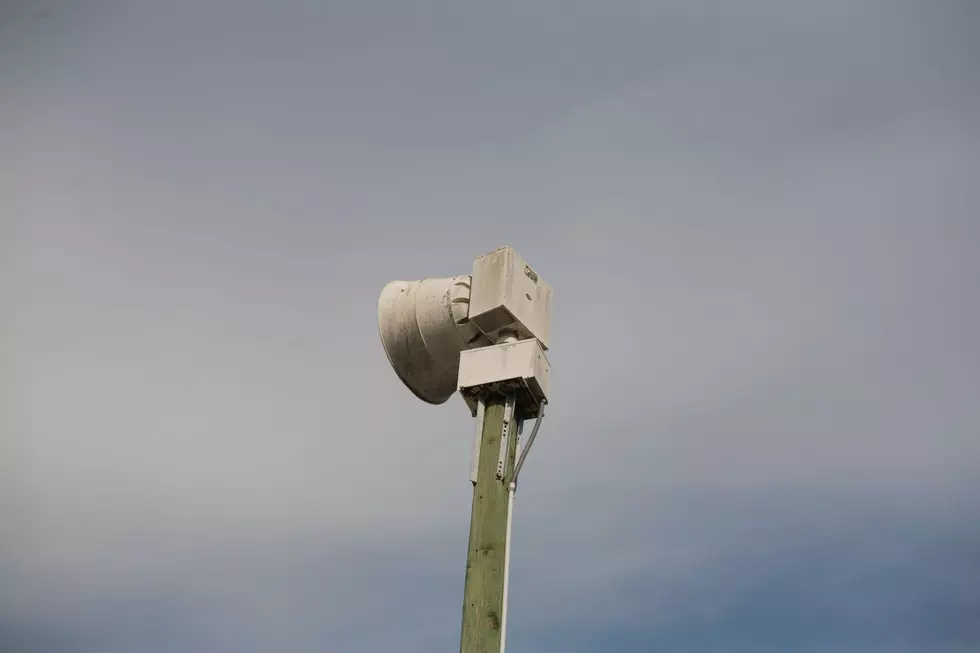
<point>519,367</point>
<point>507,295</point>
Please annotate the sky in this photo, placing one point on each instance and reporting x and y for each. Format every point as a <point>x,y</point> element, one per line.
<point>761,221</point>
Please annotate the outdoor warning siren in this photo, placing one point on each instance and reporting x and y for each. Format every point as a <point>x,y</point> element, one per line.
<point>425,325</point>
<point>485,335</point>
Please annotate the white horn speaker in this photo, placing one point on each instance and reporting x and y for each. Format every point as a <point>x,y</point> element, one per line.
<point>424,326</point>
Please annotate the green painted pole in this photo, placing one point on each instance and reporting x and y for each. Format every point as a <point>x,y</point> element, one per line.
<point>484,586</point>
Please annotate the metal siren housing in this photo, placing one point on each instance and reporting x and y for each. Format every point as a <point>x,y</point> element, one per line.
<point>480,333</point>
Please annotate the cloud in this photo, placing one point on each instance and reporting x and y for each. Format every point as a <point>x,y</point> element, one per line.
<point>760,226</point>
<point>690,567</point>
<point>759,570</point>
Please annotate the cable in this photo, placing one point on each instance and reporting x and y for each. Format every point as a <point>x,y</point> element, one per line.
<point>511,489</point>
<point>530,441</point>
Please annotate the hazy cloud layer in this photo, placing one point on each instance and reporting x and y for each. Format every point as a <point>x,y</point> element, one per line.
<point>762,228</point>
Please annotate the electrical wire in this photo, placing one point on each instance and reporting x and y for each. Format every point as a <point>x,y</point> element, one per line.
<point>530,441</point>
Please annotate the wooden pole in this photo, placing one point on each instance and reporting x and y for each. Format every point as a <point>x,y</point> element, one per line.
<point>484,586</point>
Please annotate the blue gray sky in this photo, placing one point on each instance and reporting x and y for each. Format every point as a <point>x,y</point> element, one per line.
<point>761,223</point>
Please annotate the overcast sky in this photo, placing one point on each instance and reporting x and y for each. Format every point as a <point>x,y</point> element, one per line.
<point>761,221</point>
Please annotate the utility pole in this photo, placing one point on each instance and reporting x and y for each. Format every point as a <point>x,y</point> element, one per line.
<point>483,592</point>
